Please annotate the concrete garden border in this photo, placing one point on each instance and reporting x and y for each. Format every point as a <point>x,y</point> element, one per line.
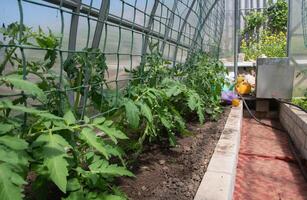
<point>219,179</point>
<point>294,121</point>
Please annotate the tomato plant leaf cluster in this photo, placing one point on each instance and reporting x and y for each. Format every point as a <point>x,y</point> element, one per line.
<point>48,143</point>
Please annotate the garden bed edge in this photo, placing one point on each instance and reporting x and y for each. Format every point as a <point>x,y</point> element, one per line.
<point>294,121</point>
<point>219,179</point>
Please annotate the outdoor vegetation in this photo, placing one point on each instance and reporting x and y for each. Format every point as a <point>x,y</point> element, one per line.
<point>301,101</point>
<point>48,144</point>
<point>265,32</point>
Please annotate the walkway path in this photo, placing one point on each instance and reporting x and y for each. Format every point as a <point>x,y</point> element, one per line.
<point>266,167</point>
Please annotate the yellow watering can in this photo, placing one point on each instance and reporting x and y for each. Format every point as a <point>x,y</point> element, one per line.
<point>243,88</point>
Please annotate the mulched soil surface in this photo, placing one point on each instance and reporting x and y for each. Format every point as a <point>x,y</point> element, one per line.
<point>175,173</point>
<point>266,167</point>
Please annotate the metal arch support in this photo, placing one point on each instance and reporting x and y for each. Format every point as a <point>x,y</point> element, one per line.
<point>73,38</point>
<point>194,40</point>
<point>215,38</point>
<point>95,13</point>
<point>71,4</point>
<point>103,14</point>
<point>169,25</point>
<point>197,34</point>
<point>288,28</point>
<point>221,29</point>
<point>199,21</point>
<point>113,19</point>
<point>74,27</point>
<point>236,37</point>
<point>181,30</point>
<point>149,26</point>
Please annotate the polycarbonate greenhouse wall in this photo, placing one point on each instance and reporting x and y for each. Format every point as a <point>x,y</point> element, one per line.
<point>122,29</point>
<point>298,44</point>
<point>227,41</point>
<point>245,7</point>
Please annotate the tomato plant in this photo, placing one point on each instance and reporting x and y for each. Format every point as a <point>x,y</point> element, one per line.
<point>79,158</point>
<point>48,137</point>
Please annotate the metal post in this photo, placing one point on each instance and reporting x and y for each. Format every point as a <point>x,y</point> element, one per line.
<point>221,29</point>
<point>72,40</point>
<point>103,14</point>
<point>200,18</point>
<point>181,30</point>
<point>74,27</point>
<point>169,25</point>
<point>288,27</point>
<point>236,34</point>
<point>149,28</point>
<point>197,33</point>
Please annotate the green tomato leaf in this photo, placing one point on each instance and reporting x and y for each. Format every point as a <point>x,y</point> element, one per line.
<point>77,195</point>
<point>103,167</point>
<point>58,172</point>
<point>145,111</point>
<point>54,152</point>
<point>99,120</point>
<point>90,137</point>
<point>112,132</point>
<point>113,197</point>
<point>13,142</point>
<point>69,118</point>
<point>73,184</point>
<point>43,114</point>
<point>26,86</point>
<point>132,114</point>
<point>4,128</point>
<point>15,158</point>
<point>8,189</point>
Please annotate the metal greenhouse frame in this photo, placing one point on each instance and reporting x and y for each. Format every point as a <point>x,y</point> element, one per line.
<point>179,27</point>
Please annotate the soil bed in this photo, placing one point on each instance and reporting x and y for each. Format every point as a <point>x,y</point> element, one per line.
<point>175,174</point>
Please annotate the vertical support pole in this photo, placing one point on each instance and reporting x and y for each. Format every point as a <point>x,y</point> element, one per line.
<point>221,27</point>
<point>149,28</point>
<point>23,61</point>
<point>246,13</point>
<point>197,34</point>
<point>200,19</point>
<point>74,27</point>
<point>241,20</point>
<point>289,26</point>
<point>169,25</point>
<point>103,14</point>
<point>181,30</point>
<point>236,38</point>
<point>72,41</point>
<point>258,10</point>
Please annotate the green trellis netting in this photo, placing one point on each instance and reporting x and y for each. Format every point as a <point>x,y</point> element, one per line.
<point>121,29</point>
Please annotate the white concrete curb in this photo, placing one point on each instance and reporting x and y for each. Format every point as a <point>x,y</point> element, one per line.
<point>219,179</point>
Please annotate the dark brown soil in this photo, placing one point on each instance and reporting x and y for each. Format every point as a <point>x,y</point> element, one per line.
<point>175,174</point>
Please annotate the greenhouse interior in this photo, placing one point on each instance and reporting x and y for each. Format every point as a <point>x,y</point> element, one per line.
<point>153,99</point>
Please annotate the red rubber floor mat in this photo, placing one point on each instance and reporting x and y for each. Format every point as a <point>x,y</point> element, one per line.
<point>266,168</point>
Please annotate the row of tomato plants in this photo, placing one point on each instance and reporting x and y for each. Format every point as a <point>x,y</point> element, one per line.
<point>48,143</point>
